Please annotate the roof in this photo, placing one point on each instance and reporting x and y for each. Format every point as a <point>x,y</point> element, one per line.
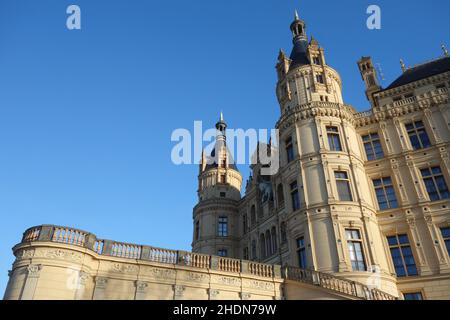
<point>422,71</point>
<point>299,54</point>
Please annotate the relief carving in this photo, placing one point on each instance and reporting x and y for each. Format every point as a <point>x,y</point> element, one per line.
<point>124,268</point>
<point>34,270</point>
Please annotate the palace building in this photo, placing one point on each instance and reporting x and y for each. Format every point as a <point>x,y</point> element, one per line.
<point>359,208</point>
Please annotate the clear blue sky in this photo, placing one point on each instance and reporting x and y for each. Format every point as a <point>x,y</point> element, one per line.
<point>86,116</point>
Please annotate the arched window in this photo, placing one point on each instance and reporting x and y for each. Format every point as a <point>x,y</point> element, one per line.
<point>280,196</point>
<point>262,245</point>
<point>274,240</point>
<point>253,215</point>
<point>268,244</point>
<point>283,232</point>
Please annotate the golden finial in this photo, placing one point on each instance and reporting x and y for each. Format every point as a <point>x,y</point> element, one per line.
<point>444,49</point>
<point>402,63</point>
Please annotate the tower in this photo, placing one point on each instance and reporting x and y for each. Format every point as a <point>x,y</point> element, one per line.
<point>330,214</point>
<point>315,81</point>
<point>216,214</point>
<point>369,75</point>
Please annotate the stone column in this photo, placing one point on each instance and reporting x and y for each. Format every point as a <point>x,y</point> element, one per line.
<point>100,286</point>
<point>141,290</point>
<point>178,292</point>
<point>81,285</point>
<point>29,288</point>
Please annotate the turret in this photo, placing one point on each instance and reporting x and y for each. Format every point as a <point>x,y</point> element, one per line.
<point>369,75</point>
<point>216,214</point>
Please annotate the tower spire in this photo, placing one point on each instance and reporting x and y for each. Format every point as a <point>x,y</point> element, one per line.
<point>296,15</point>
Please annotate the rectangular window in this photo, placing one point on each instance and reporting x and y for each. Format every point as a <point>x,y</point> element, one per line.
<point>354,243</point>
<point>222,253</point>
<point>372,145</point>
<point>289,150</point>
<point>254,256</point>
<point>334,141</point>
<point>446,236</point>
<point>385,193</point>
<point>418,135</point>
<point>402,256</point>
<point>197,230</point>
<point>223,227</point>
<point>294,196</point>
<point>413,296</point>
<point>343,186</point>
<point>320,78</point>
<point>245,253</point>
<point>316,60</point>
<point>435,183</point>
<point>245,223</point>
<point>223,178</point>
<point>301,253</point>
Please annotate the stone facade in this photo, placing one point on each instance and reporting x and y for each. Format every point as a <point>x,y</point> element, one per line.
<point>54,262</point>
<point>343,171</point>
<point>359,209</point>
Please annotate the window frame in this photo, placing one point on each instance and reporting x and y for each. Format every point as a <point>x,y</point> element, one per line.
<point>415,131</point>
<point>224,250</point>
<point>432,176</point>
<point>383,186</point>
<point>289,147</point>
<point>295,196</point>
<point>413,292</point>
<point>331,135</point>
<point>400,246</point>
<point>222,226</point>
<point>371,143</point>
<point>351,243</point>
<point>300,249</point>
<point>445,239</point>
<point>348,182</point>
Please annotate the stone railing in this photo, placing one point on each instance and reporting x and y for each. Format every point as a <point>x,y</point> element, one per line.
<point>79,238</point>
<point>335,283</point>
<point>103,247</point>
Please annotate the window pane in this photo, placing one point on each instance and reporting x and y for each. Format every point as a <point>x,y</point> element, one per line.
<point>392,241</point>
<point>403,239</point>
<point>413,296</point>
<point>445,232</point>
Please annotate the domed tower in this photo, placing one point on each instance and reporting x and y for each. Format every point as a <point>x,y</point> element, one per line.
<point>331,217</point>
<point>219,191</point>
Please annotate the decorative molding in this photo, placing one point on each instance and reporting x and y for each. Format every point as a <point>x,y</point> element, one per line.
<point>124,268</point>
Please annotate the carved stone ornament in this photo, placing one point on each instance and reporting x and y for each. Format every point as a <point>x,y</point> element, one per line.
<point>245,295</point>
<point>179,290</point>
<point>213,293</point>
<point>124,268</point>
<point>101,282</point>
<point>34,270</point>
<point>83,276</point>
<point>141,286</point>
